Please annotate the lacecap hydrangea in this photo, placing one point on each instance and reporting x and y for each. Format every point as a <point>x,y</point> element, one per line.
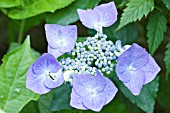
<point>88,63</point>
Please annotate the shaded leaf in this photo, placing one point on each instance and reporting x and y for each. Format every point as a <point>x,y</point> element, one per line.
<point>69,14</point>
<point>31,107</point>
<point>146,99</point>
<point>155,31</point>
<point>14,94</point>
<point>135,10</point>
<point>31,8</point>
<point>167,59</point>
<point>167,4</point>
<point>61,98</point>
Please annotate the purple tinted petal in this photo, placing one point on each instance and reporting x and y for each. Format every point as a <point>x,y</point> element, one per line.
<point>121,68</point>
<point>108,13</point>
<point>36,82</point>
<point>110,90</point>
<point>46,62</point>
<point>89,18</point>
<point>54,51</point>
<point>56,80</point>
<point>94,102</point>
<point>76,101</point>
<point>59,36</point>
<point>83,83</point>
<point>151,70</point>
<point>139,56</point>
<point>136,83</point>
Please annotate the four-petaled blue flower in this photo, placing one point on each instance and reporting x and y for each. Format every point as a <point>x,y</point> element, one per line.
<point>60,39</point>
<point>92,92</point>
<point>44,74</point>
<point>135,68</point>
<point>101,16</point>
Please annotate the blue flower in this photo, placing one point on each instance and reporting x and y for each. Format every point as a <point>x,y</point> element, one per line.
<point>101,16</point>
<point>135,68</point>
<point>60,39</point>
<point>44,74</point>
<point>92,92</point>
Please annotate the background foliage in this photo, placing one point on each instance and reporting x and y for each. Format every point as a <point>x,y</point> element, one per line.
<point>146,22</point>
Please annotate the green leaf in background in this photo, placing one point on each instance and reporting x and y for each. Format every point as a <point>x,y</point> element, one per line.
<point>67,111</point>
<point>31,8</point>
<point>146,99</point>
<point>164,95</point>
<point>115,106</point>
<point>135,10</point>
<point>14,95</point>
<point>61,98</point>
<point>127,34</point>
<point>9,3</point>
<point>69,14</point>
<point>167,59</point>
<point>155,31</point>
<point>167,4</point>
<point>44,102</point>
<point>31,107</point>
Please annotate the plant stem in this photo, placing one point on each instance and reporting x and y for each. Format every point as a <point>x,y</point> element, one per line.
<point>21,31</point>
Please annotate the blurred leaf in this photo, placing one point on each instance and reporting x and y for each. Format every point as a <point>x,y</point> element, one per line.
<point>127,34</point>
<point>146,99</point>
<point>9,3</point>
<point>67,111</point>
<point>44,102</point>
<point>115,106</point>
<point>81,39</point>
<point>14,94</point>
<point>15,45</point>
<point>69,14</point>
<point>31,8</point>
<point>164,92</point>
<point>61,98</point>
<point>135,10</point>
<point>167,59</point>
<point>155,31</point>
<point>167,4</point>
<point>31,107</point>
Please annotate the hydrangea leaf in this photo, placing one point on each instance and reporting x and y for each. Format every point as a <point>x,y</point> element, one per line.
<point>127,34</point>
<point>61,100</point>
<point>163,95</point>
<point>31,107</point>
<point>14,94</point>
<point>167,59</point>
<point>167,4</point>
<point>31,8</point>
<point>69,14</point>
<point>44,102</point>
<point>9,3</point>
<point>135,10</point>
<point>155,31</point>
<point>146,99</point>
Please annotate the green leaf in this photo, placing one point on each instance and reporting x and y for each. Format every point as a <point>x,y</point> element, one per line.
<point>31,8</point>
<point>155,31</point>
<point>146,99</point>
<point>115,105</point>
<point>81,39</point>
<point>167,4</point>
<point>44,102</point>
<point>9,3</point>
<point>167,59</point>
<point>135,10</point>
<point>14,95</point>
<point>69,14</point>
<point>61,98</point>
<point>31,107</point>
<point>127,34</point>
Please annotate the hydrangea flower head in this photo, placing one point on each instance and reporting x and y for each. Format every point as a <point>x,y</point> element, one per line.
<point>60,39</point>
<point>92,92</point>
<point>135,67</point>
<point>101,16</point>
<point>44,74</point>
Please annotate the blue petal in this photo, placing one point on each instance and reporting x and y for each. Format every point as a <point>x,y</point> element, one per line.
<point>36,82</point>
